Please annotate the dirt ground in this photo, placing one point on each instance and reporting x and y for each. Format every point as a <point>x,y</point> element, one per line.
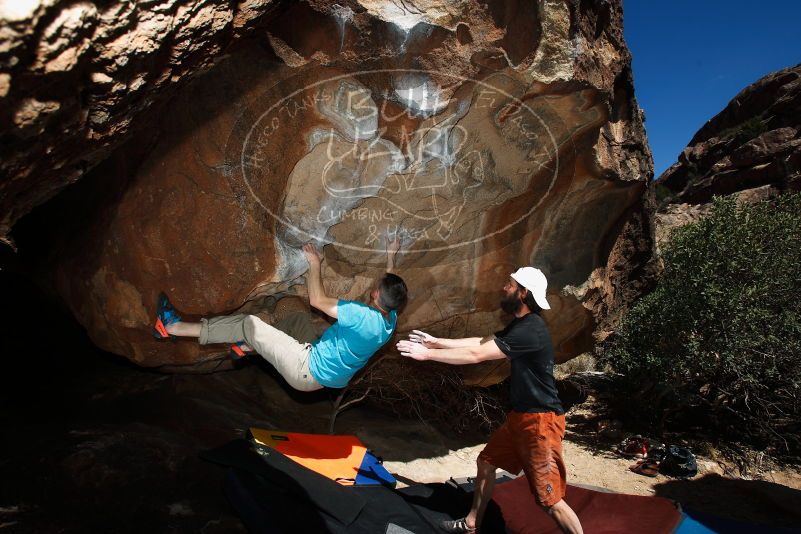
<point>585,466</point>
<point>771,498</point>
<point>105,447</point>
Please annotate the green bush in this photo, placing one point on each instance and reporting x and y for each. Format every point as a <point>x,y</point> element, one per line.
<point>663,194</point>
<point>750,129</point>
<point>722,329</point>
<point>745,131</point>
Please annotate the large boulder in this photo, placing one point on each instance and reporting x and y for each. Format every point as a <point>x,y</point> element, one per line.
<point>487,136</point>
<point>78,78</point>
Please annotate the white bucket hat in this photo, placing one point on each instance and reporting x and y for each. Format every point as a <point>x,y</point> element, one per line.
<point>534,280</point>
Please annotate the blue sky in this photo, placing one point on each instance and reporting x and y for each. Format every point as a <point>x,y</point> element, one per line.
<point>692,58</point>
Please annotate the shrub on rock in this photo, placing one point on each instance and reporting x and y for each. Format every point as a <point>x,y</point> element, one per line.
<point>722,329</point>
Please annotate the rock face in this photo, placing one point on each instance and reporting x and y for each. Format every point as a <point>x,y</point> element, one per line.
<point>755,141</point>
<point>752,149</point>
<point>488,136</point>
<point>76,79</point>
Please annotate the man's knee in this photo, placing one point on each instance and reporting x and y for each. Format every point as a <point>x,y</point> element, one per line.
<point>484,466</point>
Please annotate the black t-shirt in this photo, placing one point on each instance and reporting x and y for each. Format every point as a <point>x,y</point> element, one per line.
<point>527,343</point>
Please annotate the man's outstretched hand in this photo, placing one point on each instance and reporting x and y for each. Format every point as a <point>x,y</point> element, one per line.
<point>413,350</point>
<point>312,256</point>
<point>428,341</point>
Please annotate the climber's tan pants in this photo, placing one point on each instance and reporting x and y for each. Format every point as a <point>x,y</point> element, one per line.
<point>286,345</point>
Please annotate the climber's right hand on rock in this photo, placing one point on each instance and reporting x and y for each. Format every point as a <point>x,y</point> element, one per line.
<point>312,256</point>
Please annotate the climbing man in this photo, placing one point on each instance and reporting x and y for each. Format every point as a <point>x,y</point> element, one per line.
<point>531,437</point>
<point>307,364</point>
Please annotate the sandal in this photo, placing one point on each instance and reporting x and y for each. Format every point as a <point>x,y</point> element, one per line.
<point>647,467</point>
<point>165,316</point>
<point>634,447</point>
<point>458,526</point>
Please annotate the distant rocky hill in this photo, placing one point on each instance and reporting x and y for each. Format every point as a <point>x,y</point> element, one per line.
<point>755,141</point>
<point>752,148</point>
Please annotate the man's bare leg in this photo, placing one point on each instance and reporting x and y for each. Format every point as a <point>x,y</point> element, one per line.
<point>184,329</point>
<point>565,517</point>
<point>485,483</point>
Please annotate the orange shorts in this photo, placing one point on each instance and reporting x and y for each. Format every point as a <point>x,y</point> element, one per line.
<point>531,442</point>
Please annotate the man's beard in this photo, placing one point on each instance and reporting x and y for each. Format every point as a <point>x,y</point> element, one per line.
<point>511,304</point>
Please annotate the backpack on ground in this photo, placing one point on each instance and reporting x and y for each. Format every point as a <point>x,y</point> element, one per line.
<point>678,462</point>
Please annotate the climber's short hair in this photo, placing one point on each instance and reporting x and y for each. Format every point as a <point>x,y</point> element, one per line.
<point>392,292</point>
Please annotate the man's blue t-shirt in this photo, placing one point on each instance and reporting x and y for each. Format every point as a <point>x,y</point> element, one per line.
<point>346,345</point>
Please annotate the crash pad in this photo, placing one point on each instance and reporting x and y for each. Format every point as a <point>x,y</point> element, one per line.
<point>341,458</point>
